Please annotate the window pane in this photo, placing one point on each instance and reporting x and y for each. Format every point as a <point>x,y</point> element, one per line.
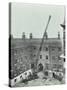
<point>15,80</point>
<point>40,56</point>
<point>46,57</point>
<point>46,49</point>
<point>59,49</point>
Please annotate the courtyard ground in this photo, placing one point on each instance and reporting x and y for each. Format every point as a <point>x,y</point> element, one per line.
<point>39,82</point>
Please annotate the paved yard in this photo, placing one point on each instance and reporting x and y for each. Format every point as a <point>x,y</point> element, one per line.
<point>39,82</point>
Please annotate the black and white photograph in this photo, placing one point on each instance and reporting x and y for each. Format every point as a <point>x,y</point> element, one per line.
<point>36,44</point>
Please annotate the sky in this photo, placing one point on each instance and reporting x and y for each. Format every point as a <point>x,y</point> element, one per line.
<point>32,18</point>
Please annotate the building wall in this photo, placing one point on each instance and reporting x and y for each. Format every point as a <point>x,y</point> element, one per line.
<point>20,61</point>
<point>50,59</point>
<point>55,60</point>
<point>19,78</point>
<point>24,52</point>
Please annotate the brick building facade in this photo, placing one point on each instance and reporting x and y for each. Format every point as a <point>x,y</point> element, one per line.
<point>24,52</point>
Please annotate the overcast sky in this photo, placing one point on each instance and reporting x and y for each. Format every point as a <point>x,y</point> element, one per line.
<point>32,18</point>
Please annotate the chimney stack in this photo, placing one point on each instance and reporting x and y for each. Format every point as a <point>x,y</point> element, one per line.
<point>23,35</point>
<point>30,36</point>
<point>58,35</point>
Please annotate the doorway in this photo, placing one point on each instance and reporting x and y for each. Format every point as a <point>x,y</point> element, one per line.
<point>32,65</point>
<point>40,67</point>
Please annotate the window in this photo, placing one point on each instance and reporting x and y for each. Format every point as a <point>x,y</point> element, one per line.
<point>59,58</point>
<point>46,56</point>
<point>40,49</point>
<point>25,73</point>
<point>40,56</point>
<point>64,59</point>
<point>15,80</point>
<point>46,49</point>
<point>32,65</point>
<point>21,76</point>
<point>53,49</point>
<point>59,49</point>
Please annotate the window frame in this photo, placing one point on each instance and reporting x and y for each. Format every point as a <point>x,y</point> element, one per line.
<point>40,56</point>
<point>46,56</point>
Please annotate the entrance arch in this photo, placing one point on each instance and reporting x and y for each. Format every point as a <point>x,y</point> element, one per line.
<point>40,67</point>
<point>32,65</point>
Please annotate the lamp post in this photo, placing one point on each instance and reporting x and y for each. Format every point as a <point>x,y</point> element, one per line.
<point>63,26</point>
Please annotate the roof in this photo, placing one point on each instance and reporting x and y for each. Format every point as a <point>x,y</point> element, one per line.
<point>19,42</point>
